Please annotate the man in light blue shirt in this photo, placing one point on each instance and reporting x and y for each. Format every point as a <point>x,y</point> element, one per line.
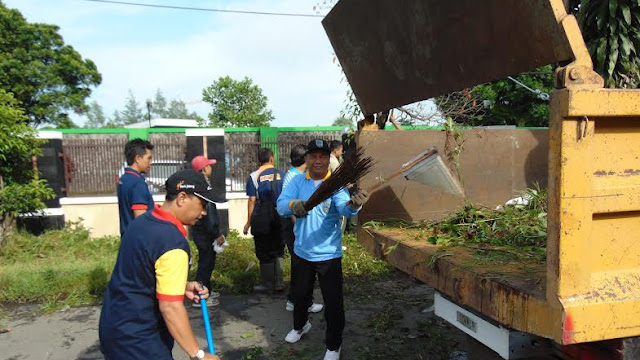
<point>298,166</point>
<point>318,245</point>
<point>298,163</point>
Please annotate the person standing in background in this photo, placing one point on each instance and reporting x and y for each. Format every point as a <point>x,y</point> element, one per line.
<point>336,151</point>
<point>263,188</point>
<point>205,233</point>
<point>134,198</point>
<point>378,122</point>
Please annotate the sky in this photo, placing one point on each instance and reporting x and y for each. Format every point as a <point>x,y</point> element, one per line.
<point>181,52</point>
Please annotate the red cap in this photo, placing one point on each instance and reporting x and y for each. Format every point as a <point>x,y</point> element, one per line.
<point>199,162</point>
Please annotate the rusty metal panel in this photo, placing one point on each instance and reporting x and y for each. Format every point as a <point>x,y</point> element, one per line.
<point>594,213</point>
<point>496,165</point>
<point>93,162</point>
<point>509,299</point>
<point>242,149</point>
<point>396,52</point>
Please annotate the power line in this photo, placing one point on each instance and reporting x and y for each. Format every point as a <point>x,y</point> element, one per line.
<point>205,9</point>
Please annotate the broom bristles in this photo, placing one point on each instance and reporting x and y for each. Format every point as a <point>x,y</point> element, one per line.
<point>353,168</point>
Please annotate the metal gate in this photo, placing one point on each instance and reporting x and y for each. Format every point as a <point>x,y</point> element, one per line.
<point>98,162</point>
<point>242,154</point>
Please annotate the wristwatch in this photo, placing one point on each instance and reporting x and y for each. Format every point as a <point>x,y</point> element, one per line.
<point>199,355</point>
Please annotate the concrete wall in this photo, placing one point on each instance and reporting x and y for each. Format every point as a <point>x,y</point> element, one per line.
<point>496,165</point>
<point>100,214</point>
<point>237,211</point>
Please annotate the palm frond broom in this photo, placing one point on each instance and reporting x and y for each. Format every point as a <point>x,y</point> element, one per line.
<point>353,168</point>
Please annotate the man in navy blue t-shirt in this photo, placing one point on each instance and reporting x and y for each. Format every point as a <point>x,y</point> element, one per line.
<point>143,309</point>
<point>263,188</point>
<point>134,198</point>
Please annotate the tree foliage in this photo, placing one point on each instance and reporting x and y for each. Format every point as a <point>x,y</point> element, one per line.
<point>173,109</point>
<point>20,189</point>
<point>342,121</point>
<point>134,112</point>
<point>521,100</point>
<point>48,78</point>
<point>95,116</point>
<point>159,105</point>
<point>611,29</point>
<point>236,104</point>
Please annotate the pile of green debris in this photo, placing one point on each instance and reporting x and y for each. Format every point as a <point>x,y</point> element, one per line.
<point>522,224</point>
<point>513,231</point>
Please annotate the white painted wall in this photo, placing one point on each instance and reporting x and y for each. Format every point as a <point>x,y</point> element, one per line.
<point>100,214</point>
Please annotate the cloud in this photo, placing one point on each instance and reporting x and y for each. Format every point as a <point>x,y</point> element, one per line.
<point>289,58</point>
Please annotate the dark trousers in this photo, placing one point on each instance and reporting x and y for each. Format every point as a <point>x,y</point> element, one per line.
<point>269,244</point>
<point>206,258</point>
<point>286,231</point>
<point>330,277</point>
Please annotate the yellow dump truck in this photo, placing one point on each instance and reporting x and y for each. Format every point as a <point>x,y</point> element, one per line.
<point>402,51</point>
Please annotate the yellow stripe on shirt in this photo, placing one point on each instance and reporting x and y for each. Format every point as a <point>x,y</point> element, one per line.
<point>172,269</point>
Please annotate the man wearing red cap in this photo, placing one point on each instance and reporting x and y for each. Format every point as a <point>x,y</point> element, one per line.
<point>205,233</point>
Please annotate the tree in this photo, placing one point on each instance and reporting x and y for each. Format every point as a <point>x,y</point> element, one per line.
<point>48,78</point>
<point>520,100</point>
<point>611,29</point>
<point>342,121</point>
<point>178,110</point>
<point>132,112</point>
<point>95,116</point>
<point>20,189</point>
<point>236,104</point>
<point>115,120</point>
<point>175,109</point>
<point>159,105</point>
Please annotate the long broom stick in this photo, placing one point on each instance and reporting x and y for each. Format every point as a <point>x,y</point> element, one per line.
<point>356,166</point>
<point>207,324</point>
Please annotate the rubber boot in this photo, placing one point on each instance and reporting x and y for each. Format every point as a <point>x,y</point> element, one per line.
<point>279,280</point>
<point>267,275</point>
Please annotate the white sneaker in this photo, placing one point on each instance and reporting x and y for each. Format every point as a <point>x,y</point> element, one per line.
<point>314,308</point>
<point>294,335</point>
<point>332,355</point>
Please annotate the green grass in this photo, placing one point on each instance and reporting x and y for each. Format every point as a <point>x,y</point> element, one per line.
<point>68,268</point>
<point>62,267</point>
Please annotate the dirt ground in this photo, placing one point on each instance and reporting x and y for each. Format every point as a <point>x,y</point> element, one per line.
<point>388,319</point>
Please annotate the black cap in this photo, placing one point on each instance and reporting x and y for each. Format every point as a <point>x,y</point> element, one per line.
<point>318,144</point>
<point>190,182</point>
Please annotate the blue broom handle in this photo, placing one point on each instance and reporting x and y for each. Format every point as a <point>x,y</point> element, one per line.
<point>207,323</point>
<point>207,326</point>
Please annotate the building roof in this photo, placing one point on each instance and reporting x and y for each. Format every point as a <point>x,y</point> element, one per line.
<point>164,123</point>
